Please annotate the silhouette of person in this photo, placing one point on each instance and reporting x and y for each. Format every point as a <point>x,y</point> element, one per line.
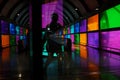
<point>52,28</point>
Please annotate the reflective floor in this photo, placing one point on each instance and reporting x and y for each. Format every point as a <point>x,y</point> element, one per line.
<point>83,63</point>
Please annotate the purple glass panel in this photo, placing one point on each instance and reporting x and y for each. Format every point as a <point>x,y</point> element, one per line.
<point>72,38</point>
<point>93,39</point>
<point>48,9</point>
<point>83,26</point>
<point>110,40</point>
<point>21,30</point>
<point>17,38</point>
<point>4,27</point>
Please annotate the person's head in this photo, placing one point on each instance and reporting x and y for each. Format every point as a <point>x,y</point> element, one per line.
<point>54,17</point>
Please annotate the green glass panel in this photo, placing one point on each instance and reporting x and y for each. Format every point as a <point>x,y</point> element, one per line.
<point>12,40</point>
<point>76,38</point>
<point>110,18</point>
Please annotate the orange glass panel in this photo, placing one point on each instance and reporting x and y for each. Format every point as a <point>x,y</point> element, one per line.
<point>83,39</point>
<point>83,52</point>
<point>93,23</point>
<point>5,40</point>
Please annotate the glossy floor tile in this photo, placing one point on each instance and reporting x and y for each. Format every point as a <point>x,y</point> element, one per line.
<point>83,63</point>
<point>14,66</point>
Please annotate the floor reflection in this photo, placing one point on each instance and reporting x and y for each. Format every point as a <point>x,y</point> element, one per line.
<point>86,63</point>
<point>83,63</point>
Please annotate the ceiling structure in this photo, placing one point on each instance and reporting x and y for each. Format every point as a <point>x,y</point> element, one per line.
<point>17,11</point>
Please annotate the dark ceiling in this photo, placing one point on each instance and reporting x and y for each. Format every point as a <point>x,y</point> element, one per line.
<point>17,11</point>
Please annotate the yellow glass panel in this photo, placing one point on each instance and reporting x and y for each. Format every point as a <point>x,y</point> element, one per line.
<point>5,40</point>
<point>83,39</point>
<point>63,31</point>
<point>93,23</point>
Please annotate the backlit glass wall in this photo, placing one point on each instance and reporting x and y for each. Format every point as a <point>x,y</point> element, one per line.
<point>17,30</point>
<point>83,38</point>
<point>49,8</point>
<point>77,38</point>
<point>93,23</point>
<point>12,29</point>
<point>12,40</point>
<point>83,25</point>
<point>4,27</point>
<point>11,33</point>
<point>110,40</point>
<point>5,40</point>
<point>110,29</point>
<point>100,30</point>
<point>77,27</point>
<point>110,18</point>
<point>72,28</point>
<point>93,39</point>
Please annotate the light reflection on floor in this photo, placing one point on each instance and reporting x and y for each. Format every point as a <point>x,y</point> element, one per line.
<point>83,63</point>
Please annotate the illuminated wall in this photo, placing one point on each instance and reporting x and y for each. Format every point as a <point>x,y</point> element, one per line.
<point>93,23</point>
<point>24,31</point>
<point>49,8</point>
<point>76,27</point>
<point>77,38</point>
<point>72,28</point>
<point>17,30</point>
<point>83,25</point>
<point>4,27</point>
<point>12,40</point>
<point>110,40</point>
<point>12,29</point>
<point>110,18</point>
<point>21,31</point>
<point>100,30</point>
<point>93,39</point>
<point>83,38</point>
<point>10,33</point>
<point>72,38</point>
<point>5,40</point>
<point>17,38</point>
<point>68,29</point>
<point>67,36</point>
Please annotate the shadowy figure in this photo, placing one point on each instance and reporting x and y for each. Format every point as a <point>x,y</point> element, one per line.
<point>20,46</point>
<point>51,46</point>
<point>51,29</point>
